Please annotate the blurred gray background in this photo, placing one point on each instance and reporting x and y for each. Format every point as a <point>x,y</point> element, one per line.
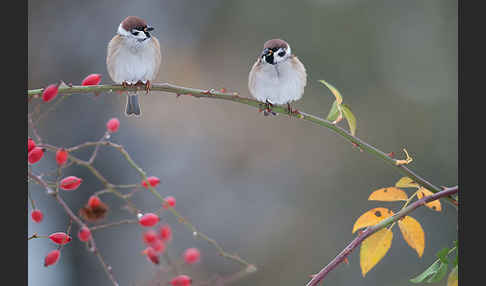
<point>282,193</point>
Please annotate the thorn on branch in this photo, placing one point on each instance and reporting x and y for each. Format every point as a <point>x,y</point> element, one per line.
<point>357,146</point>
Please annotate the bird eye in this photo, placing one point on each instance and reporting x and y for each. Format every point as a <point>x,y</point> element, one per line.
<point>281,54</point>
<point>135,33</point>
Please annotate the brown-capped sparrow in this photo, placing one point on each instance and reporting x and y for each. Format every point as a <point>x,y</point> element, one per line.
<point>278,76</point>
<point>133,58</point>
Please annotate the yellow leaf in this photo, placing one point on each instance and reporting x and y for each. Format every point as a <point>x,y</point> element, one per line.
<point>372,217</point>
<point>389,194</point>
<point>406,182</point>
<point>337,94</point>
<point>434,205</point>
<point>452,280</point>
<point>413,233</point>
<point>374,248</point>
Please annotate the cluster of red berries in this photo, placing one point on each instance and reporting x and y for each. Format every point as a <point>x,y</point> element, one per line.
<point>61,238</point>
<point>156,240</point>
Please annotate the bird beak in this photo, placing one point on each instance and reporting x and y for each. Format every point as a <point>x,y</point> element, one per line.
<point>267,52</point>
<point>148,29</point>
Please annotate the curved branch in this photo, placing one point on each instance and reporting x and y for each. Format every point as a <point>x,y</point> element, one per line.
<point>372,229</point>
<point>211,93</point>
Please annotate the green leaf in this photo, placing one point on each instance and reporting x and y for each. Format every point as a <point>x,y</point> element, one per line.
<point>442,255</point>
<point>350,118</point>
<point>434,273</point>
<point>334,112</point>
<point>437,276</point>
<point>334,91</point>
<point>427,273</point>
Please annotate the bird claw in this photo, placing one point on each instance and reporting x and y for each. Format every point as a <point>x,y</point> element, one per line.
<point>292,111</point>
<point>148,86</point>
<point>209,91</point>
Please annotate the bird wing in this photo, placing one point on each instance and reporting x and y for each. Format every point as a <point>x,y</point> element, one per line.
<point>158,57</point>
<point>252,76</point>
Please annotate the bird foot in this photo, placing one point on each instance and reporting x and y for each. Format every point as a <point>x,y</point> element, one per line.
<point>292,111</point>
<point>268,108</point>
<point>148,86</point>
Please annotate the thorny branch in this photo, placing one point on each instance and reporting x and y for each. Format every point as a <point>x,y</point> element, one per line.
<point>214,94</point>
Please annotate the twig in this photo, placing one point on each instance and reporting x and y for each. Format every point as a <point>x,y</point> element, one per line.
<point>34,130</point>
<point>101,226</point>
<point>372,229</point>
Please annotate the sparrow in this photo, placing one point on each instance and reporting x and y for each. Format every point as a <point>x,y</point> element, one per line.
<point>133,58</point>
<point>277,76</point>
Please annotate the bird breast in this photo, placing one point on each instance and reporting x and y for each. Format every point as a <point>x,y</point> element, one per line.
<point>279,84</point>
<point>133,63</point>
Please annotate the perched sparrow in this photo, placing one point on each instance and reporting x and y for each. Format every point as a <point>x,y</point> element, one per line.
<point>133,58</point>
<point>277,77</point>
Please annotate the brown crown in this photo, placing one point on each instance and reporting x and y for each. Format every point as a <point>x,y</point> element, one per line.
<point>275,44</point>
<point>133,22</point>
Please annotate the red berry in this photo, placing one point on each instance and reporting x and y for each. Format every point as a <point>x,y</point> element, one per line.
<point>112,125</point>
<point>181,280</point>
<point>70,183</point>
<point>152,255</point>
<point>94,201</point>
<point>153,181</point>
<point>84,234</point>
<point>158,245</point>
<point>49,92</point>
<point>30,145</point>
<point>165,233</point>
<point>169,202</point>
<point>149,236</point>
<point>92,79</point>
<point>37,216</point>
<point>61,156</point>
<point>60,238</point>
<point>192,255</point>
<point>52,257</point>
<point>148,219</point>
<point>35,155</point>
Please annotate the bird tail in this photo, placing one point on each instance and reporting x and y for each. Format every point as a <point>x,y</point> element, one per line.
<point>133,107</point>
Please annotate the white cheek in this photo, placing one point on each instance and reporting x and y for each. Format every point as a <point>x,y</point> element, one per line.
<point>140,36</point>
<point>278,58</point>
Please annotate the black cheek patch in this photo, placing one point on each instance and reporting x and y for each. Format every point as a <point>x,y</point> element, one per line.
<point>269,59</point>
<point>147,34</point>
